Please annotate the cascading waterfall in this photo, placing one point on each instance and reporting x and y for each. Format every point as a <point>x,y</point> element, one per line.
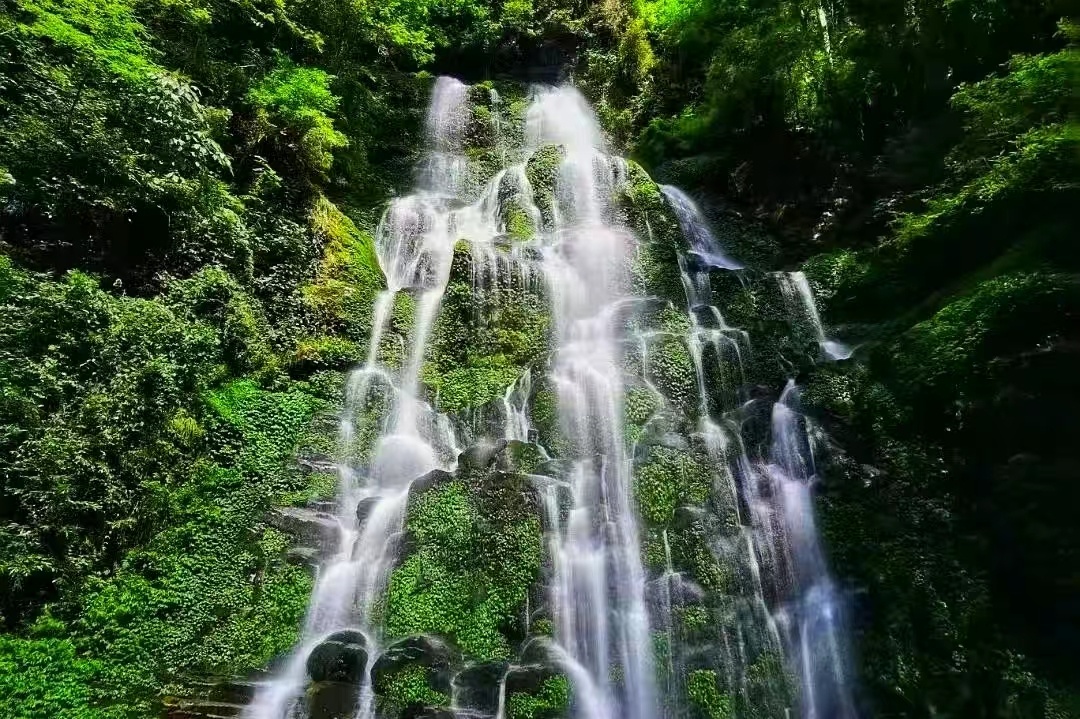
<point>598,593</point>
<point>806,615</point>
<point>606,607</point>
<point>415,242</point>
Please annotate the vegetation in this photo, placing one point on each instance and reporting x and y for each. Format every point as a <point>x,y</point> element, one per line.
<point>477,551</point>
<point>188,199</point>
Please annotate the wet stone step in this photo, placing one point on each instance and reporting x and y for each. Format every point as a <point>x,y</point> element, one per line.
<point>199,709</point>
<point>308,526</point>
<point>318,463</point>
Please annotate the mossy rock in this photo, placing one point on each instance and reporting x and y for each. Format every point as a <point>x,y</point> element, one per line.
<point>706,698</point>
<point>332,700</point>
<point>537,692</point>
<point>542,172</point>
<point>349,276</point>
<point>668,478</point>
<point>474,555</point>
<point>477,688</point>
<point>322,353</point>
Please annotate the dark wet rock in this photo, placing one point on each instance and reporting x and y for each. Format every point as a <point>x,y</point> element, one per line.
<point>422,712</point>
<point>422,650</point>
<point>429,480</point>
<point>307,526</point>
<point>481,456</point>
<point>305,556</point>
<point>200,709</point>
<point>364,507</point>
<point>529,678</point>
<point>476,687</point>
<point>342,657</point>
<point>227,690</point>
<point>333,700</point>
<point>552,468</point>
<point>674,440</point>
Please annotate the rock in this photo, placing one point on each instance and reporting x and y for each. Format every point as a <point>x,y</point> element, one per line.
<point>522,457</point>
<point>429,480</point>
<point>307,526</point>
<point>323,506</point>
<point>476,687</point>
<point>305,556</point>
<point>421,649</point>
<point>421,712</point>
<point>674,440</point>
<point>318,463</point>
<point>528,678</point>
<point>364,507</point>
<point>333,700</point>
<point>342,657</point>
<point>480,456</point>
<point>226,690</point>
<point>198,709</point>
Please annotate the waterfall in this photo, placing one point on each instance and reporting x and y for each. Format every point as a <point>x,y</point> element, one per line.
<point>598,595</point>
<point>800,299</point>
<point>804,619</point>
<point>608,608</point>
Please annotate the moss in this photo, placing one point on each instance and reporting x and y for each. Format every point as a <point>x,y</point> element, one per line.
<point>670,478</point>
<point>639,406</point>
<point>671,370</point>
<point>470,386</point>
<point>542,628</point>
<point>544,413</point>
<point>653,554</point>
<point>518,223</point>
<point>484,338</point>
<point>477,551</point>
<point>693,619</point>
<point>315,353</point>
<point>349,277</point>
<point>955,347</point>
<point>408,687</point>
<point>655,267</point>
<point>321,487</point>
<point>550,701</point>
<point>403,313</point>
<point>691,554</point>
<point>522,457</point>
<point>542,172</point>
<point>703,691</point>
<point>768,688</point>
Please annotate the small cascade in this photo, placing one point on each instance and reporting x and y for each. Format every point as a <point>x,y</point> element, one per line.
<point>800,299</point>
<point>415,245</point>
<point>810,614</point>
<point>791,602</point>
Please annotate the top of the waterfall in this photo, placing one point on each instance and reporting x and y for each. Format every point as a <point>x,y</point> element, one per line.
<point>448,114</point>
<point>562,116</point>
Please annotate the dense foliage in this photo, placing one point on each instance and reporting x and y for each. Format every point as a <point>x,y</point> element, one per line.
<point>188,192</point>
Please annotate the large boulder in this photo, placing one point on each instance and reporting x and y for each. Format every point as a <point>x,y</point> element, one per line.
<point>419,650</point>
<point>477,687</point>
<point>342,657</point>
